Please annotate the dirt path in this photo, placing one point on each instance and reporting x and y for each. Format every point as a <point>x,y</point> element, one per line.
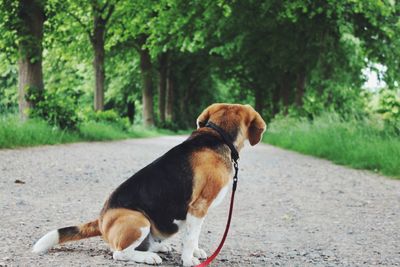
<point>291,210</point>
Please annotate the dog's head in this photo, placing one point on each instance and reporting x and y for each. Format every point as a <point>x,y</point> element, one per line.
<point>240,121</point>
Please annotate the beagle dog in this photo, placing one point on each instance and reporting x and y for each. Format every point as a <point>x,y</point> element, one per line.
<point>174,192</point>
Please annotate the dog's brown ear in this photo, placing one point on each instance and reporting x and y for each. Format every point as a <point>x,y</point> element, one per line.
<point>203,118</point>
<point>205,115</point>
<point>256,129</point>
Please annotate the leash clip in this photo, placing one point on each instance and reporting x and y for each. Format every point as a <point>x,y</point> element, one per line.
<point>235,177</point>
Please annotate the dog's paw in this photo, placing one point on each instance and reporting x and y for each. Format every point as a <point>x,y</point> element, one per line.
<point>190,261</point>
<point>138,256</point>
<point>160,247</point>
<point>152,258</point>
<point>199,253</point>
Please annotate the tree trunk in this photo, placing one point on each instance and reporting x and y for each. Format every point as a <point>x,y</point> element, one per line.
<point>130,105</point>
<point>300,85</point>
<point>98,62</point>
<point>163,61</point>
<point>285,92</point>
<point>259,100</point>
<point>275,100</point>
<point>170,97</point>
<point>30,32</point>
<point>147,89</point>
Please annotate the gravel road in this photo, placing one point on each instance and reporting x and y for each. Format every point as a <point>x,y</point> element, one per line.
<point>290,210</point>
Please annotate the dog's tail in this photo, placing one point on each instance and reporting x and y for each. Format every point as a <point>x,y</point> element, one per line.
<point>66,234</point>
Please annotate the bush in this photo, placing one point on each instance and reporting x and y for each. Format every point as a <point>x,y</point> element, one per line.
<point>97,131</point>
<point>107,117</point>
<point>389,108</point>
<point>170,125</point>
<point>345,101</point>
<point>57,108</point>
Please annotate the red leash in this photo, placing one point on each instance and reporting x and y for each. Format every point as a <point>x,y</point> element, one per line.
<point>221,244</point>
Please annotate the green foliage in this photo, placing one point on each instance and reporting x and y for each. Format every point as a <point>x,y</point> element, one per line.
<point>8,85</point>
<point>353,142</point>
<point>389,108</point>
<point>14,133</point>
<point>33,132</point>
<point>109,117</point>
<point>343,100</point>
<point>100,131</point>
<point>58,108</point>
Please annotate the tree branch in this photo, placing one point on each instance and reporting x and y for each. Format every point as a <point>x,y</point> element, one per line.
<point>109,13</point>
<point>101,10</point>
<point>85,27</point>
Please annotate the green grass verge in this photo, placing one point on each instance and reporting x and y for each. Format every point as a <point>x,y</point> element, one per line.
<point>14,133</point>
<point>33,132</point>
<point>359,144</point>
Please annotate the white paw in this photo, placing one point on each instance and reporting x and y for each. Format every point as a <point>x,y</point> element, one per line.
<point>137,256</point>
<point>190,261</point>
<point>160,247</point>
<point>199,253</point>
<point>120,256</point>
<point>152,258</point>
<point>164,248</point>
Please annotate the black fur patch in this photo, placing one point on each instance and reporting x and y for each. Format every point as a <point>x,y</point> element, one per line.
<point>162,190</point>
<point>144,246</point>
<point>68,231</point>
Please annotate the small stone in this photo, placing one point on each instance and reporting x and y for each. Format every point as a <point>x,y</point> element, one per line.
<point>314,255</point>
<point>304,253</point>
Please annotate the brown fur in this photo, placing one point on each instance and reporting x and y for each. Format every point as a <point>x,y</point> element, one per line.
<point>243,118</point>
<point>86,230</point>
<point>121,227</point>
<point>211,175</point>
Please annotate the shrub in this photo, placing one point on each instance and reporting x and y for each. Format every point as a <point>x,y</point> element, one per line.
<point>57,108</point>
<point>108,117</point>
<point>389,108</point>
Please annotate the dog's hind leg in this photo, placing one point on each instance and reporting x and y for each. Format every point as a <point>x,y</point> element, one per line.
<point>127,232</point>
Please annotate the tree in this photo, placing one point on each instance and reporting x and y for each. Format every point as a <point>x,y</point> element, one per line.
<point>23,23</point>
<point>281,50</point>
<point>100,14</point>
<point>162,85</point>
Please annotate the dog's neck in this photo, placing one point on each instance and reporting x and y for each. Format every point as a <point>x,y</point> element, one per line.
<point>239,141</point>
<point>234,142</point>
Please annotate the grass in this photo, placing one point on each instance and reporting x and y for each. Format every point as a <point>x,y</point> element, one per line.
<point>359,144</point>
<point>33,132</point>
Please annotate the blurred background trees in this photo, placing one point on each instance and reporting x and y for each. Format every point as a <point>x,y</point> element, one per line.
<point>159,63</point>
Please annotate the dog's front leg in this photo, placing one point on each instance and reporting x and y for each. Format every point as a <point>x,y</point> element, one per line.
<point>191,241</point>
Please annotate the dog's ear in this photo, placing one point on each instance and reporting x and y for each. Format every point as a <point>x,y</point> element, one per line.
<point>203,118</point>
<point>205,115</point>
<point>256,129</point>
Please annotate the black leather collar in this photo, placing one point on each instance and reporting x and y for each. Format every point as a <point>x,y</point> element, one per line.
<point>227,138</point>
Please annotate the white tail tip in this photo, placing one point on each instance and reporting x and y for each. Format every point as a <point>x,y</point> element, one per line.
<point>46,242</point>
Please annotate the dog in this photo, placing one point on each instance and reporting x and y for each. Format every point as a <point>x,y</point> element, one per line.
<point>174,192</point>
